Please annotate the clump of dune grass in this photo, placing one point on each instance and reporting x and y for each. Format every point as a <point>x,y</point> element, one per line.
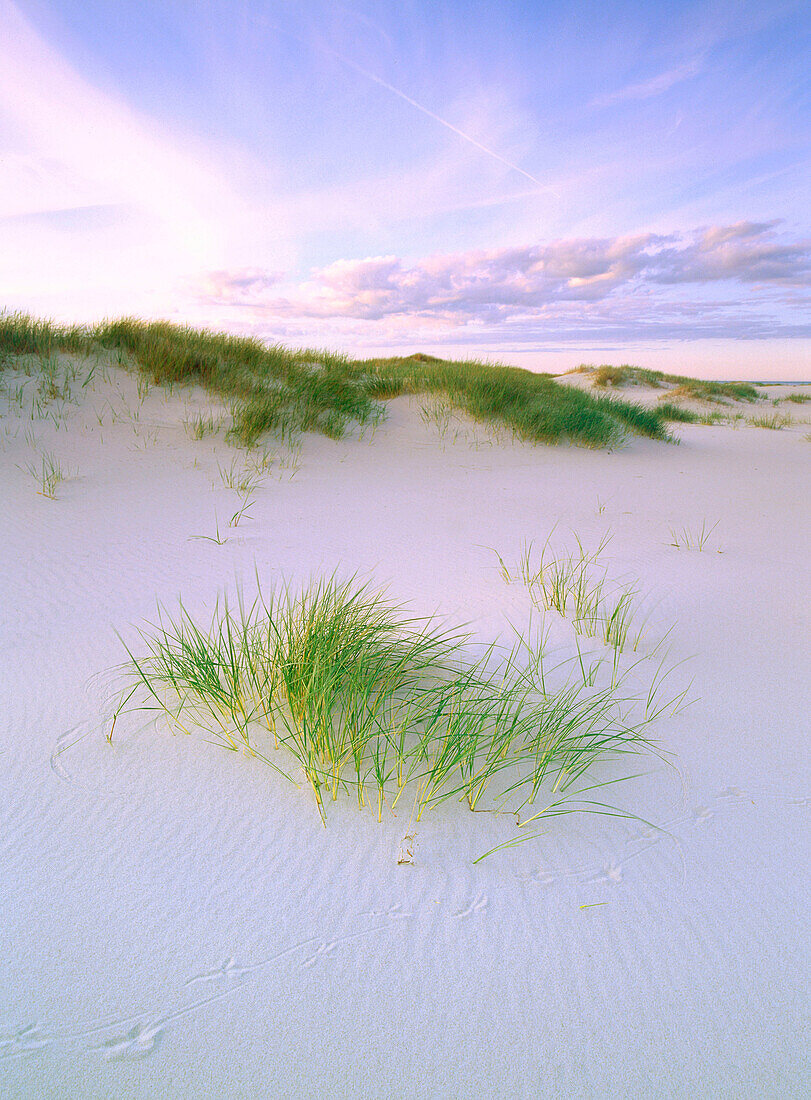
<point>798,398</point>
<point>696,388</point>
<point>576,585</point>
<point>48,474</point>
<point>199,426</point>
<point>272,390</point>
<point>334,684</point>
<point>669,411</point>
<point>533,406</point>
<point>775,422</point>
<point>711,419</point>
<point>21,334</point>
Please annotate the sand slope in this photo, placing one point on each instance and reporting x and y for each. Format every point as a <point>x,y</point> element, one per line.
<point>174,921</point>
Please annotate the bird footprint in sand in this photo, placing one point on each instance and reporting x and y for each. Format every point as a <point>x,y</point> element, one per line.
<point>476,906</point>
<point>21,1041</point>
<point>611,872</point>
<point>395,912</point>
<point>732,792</point>
<point>229,969</point>
<point>643,834</point>
<point>542,878</point>
<point>139,1041</point>
<point>323,951</point>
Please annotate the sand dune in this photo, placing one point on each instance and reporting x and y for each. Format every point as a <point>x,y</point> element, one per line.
<point>175,921</point>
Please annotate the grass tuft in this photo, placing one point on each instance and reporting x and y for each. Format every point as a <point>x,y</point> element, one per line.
<point>359,697</point>
<point>669,411</point>
<point>686,538</point>
<point>576,586</point>
<point>775,422</point>
<point>49,475</point>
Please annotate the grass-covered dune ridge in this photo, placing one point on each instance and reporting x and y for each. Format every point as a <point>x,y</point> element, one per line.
<point>367,698</point>
<point>270,388</point>
<point>698,389</point>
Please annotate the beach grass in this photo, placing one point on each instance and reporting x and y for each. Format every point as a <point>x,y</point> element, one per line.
<point>695,538</point>
<point>271,389</point>
<point>775,422</point>
<point>576,586</point>
<point>48,474</point>
<point>696,388</point>
<point>199,426</point>
<point>365,698</point>
<point>670,411</point>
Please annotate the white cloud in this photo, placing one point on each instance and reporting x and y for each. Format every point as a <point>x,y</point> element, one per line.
<point>647,89</point>
<point>564,289</point>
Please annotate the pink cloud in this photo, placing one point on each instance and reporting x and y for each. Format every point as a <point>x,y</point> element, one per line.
<point>506,284</point>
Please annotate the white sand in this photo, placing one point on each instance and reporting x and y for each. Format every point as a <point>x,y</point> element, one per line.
<point>174,920</point>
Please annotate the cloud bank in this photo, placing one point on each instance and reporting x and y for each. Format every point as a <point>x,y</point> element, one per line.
<point>648,284</point>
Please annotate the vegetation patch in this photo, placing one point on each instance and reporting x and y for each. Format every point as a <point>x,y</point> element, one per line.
<point>272,389</point>
<point>692,538</point>
<point>775,422</point>
<point>576,585</point>
<point>669,411</point>
<point>335,685</point>
<point>696,388</point>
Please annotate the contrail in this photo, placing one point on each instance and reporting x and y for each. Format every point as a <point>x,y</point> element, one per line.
<point>442,122</point>
<point>419,107</point>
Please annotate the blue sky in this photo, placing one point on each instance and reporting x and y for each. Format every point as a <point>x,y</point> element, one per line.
<point>542,183</point>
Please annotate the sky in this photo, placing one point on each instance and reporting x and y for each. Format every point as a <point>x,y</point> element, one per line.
<point>543,184</point>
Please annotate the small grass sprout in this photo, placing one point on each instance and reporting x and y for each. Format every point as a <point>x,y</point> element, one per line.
<point>242,512</point>
<point>503,568</point>
<point>437,414</point>
<point>241,478</point>
<point>685,538</point>
<point>49,474</point>
<point>217,538</point>
<point>199,426</point>
<point>576,586</point>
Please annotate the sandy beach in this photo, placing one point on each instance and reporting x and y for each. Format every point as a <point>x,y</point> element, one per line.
<point>175,919</point>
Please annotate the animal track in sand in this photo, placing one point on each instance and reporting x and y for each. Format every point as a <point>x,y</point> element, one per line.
<point>394,912</point>
<point>647,836</point>
<point>323,951</point>
<point>702,814</point>
<point>540,877</point>
<point>229,969</point>
<point>139,1041</point>
<point>22,1040</point>
<point>478,905</point>
<point>609,872</point>
<point>140,1035</point>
